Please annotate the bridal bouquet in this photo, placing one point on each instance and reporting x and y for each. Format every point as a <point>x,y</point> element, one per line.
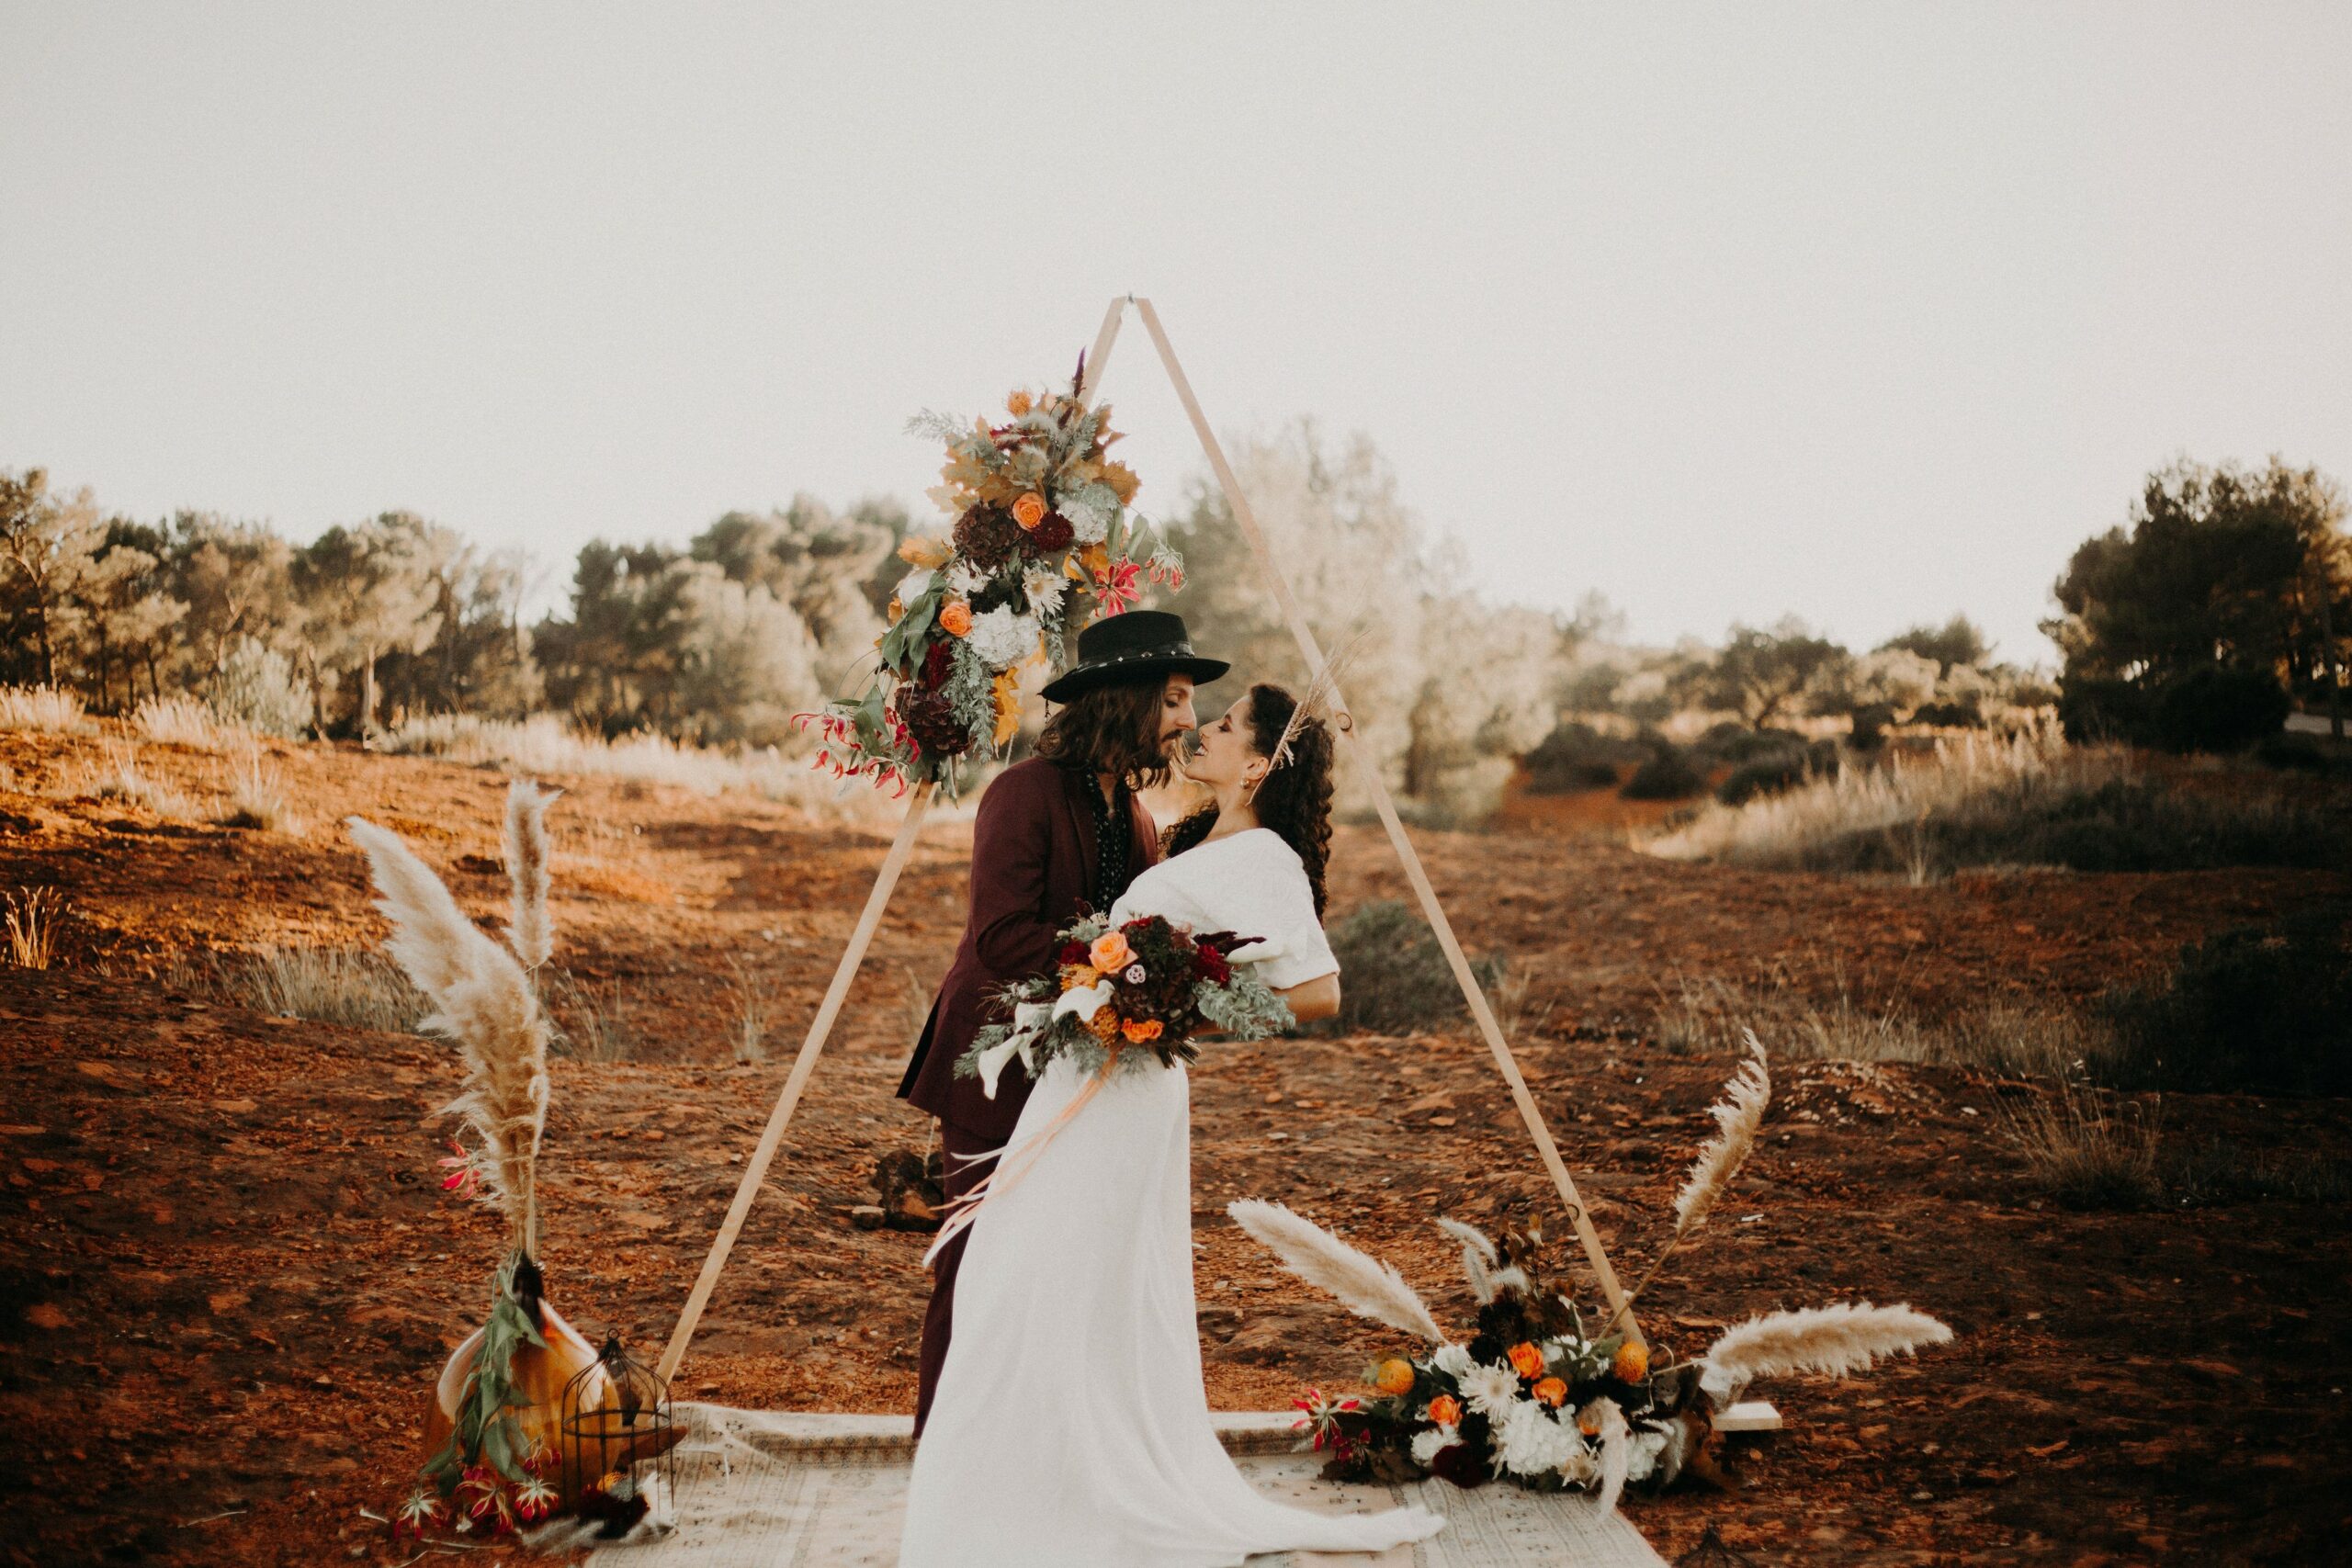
<point>1043,540</point>
<point>1151,983</point>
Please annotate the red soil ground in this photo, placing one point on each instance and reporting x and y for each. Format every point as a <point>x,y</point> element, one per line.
<point>226,1275</point>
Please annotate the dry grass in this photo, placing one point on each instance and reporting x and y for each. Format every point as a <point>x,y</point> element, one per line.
<point>42,707</point>
<point>124,777</point>
<point>1703,1016</point>
<point>1980,800</point>
<point>544,745</point>
<point>33,916</point>
<point>587,1019</point>
<point>2088,1153</point>
<point>181,721</point>
<point>753,1011</point>
<point>256,797</point>
<point>348,985</point>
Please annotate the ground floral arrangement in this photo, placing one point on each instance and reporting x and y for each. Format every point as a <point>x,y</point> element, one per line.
<point>1151,983</point>
<point>1538,1395</point>
<point>1043,540</point>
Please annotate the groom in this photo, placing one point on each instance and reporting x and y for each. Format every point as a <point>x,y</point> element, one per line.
<point>1059,833</point>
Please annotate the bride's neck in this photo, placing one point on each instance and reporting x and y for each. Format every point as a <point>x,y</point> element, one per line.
<point>1233,815</point>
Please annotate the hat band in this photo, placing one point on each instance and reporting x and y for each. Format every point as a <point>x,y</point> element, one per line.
<point>1164,651</point>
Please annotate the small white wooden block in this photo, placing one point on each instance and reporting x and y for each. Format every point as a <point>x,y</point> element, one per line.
<point>1750,1416</point>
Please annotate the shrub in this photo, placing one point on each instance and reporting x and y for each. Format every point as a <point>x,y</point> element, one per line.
<point>2216,708</point>
<point>257,689</point>
<point>2297,752</point>
<point>1776,771</point>
<point>1577,757</point>
<point>2085,1156</point>
<point>1393,976</point>
<point>2264,1009</point>
<point>348,985</point>
<point>1668,774</point>
<point>178,721</point>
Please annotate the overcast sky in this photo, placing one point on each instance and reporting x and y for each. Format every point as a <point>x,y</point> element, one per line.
<point>1863,313</point>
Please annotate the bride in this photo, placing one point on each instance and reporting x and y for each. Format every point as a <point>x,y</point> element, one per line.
<point>1071,1426</point>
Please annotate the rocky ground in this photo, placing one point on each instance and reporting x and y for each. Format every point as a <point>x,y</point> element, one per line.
<point>228,1275</point>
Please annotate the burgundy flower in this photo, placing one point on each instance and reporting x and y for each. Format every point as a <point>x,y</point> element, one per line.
<point>1053,533</point>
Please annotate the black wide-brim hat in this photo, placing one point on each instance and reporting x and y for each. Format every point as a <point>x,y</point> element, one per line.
<point>1141,645</point>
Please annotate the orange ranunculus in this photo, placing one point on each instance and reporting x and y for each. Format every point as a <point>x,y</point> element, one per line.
<point>1019,404</point>
<point>1526,1360</point>
<point>1632,1363</point>
<point>1445,1410</point>
<point>1141,1031</point>
<point>1110,952</point>
<point>1394,1375</point>
<point>1030,510</point>
<point>1551,1392</point>
<point>1588,1419</point>
<point>924,552</point>
<point>1104,1023</point>
<point>955,616</point>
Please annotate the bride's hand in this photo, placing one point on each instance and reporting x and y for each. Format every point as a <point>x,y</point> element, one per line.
<point>1317,999</point>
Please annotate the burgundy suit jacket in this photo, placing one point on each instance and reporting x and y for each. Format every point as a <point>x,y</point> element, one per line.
<point>1032,872</point>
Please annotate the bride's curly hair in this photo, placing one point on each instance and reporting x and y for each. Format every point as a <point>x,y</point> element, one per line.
<point>1294,800</point>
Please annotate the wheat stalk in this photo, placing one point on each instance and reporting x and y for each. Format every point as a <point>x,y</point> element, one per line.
<point>484,1002</point>
<point>1357,1281</point>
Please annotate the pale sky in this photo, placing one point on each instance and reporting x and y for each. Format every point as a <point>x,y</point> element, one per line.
<point>1863,313</point>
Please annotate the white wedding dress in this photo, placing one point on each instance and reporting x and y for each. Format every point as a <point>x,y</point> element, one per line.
<point>1071,1428</point>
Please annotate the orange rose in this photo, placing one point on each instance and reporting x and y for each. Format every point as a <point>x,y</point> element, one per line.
<point>1394,1375</point>
<point>1018,404</point>
<point>1030,510</point>
<point>1110,952</point>
<point>1141,1030</point>
<point>1526,1360</point>
<point>1632,1363</point>
<point>1551,1392</point>
<point>1445,1410</point>
<point>955,617</point>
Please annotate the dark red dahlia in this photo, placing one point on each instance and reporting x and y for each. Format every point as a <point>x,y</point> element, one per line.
<point>1052,533</point>
<point>1073,953</point>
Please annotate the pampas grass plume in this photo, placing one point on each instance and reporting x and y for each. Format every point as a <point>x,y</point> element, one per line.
<point>1737,1118</point>
<point>1834,1340</point>
<point>484,1002</point>
<point>1616,1453</point>
<point>1478,1256</point>
<point>530,933</point>
<point>1360,1282</point>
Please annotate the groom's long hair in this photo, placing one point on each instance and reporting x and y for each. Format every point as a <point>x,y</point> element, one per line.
<point>1295,798</point>
<point>1112,729</point>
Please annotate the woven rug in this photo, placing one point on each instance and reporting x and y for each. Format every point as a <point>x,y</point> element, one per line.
<point>772,1489</point>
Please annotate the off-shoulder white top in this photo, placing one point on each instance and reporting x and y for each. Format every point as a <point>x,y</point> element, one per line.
<point>1248,882</point>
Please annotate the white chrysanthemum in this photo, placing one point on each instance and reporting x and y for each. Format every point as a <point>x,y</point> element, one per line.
<point>1531,1443</point>
<point>962,577</point>
<point>1425,1447</point>
<point>1489,1390</point>
<point>1453,1360</point>
<point>1045,589</point>
<point>914,585</point>
<point>999,637</point>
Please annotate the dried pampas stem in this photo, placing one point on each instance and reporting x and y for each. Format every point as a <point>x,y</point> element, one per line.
<point>1360,1282</point>
<point>484,1002</point>
<point>1833,1340</point>
<point>1738,1117</point>
<point>1317,695</point>
<point>1616,1452</point>
<point>530,933</point>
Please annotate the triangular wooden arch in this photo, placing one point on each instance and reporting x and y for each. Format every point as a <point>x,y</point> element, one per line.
<point>819,1028</point>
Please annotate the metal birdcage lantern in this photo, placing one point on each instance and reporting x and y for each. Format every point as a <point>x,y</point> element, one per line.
<point>618,1434</point>
<point>1710,1552</point>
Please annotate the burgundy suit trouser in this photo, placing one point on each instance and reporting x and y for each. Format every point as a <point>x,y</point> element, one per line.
<point>958,1175</point>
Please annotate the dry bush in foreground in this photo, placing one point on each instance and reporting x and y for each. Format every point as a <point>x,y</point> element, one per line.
<point>42,707</point>
<point>32,915</point>
<point>180,721</point>
<point>2085,1153</point>
<point>348,985</point>
<point>543,744</point>
<point>2030,800</point>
